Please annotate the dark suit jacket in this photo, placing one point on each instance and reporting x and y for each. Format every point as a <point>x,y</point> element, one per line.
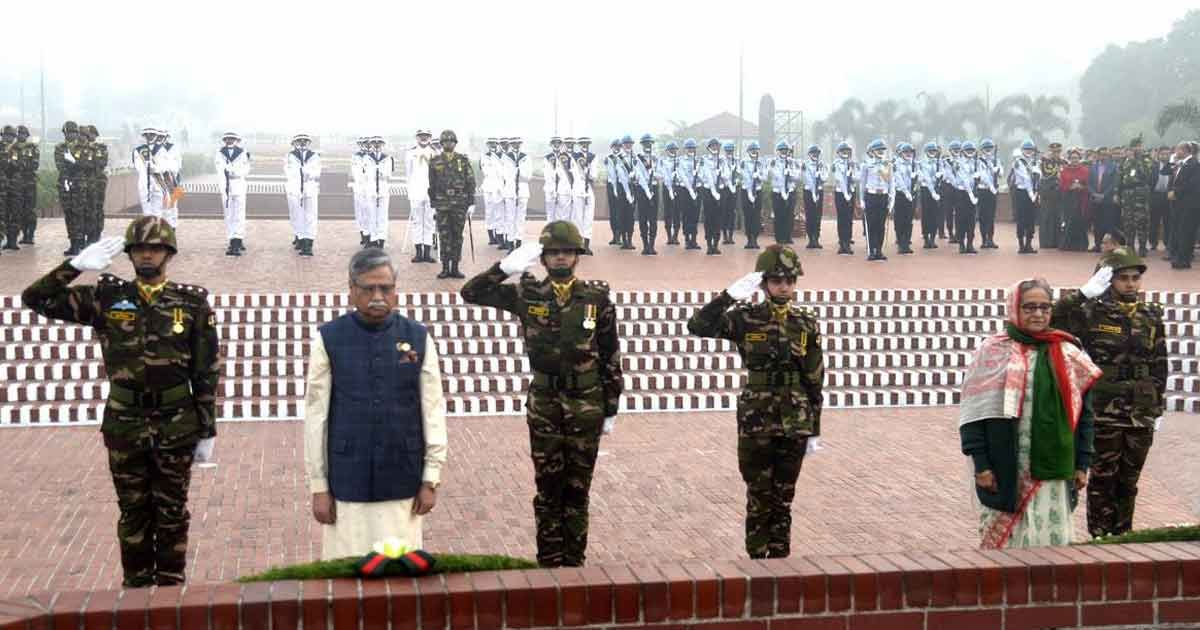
<point>1186,185</point>
<point>1110,180</point>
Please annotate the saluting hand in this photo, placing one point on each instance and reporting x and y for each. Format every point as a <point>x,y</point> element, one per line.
<point>98,256</point>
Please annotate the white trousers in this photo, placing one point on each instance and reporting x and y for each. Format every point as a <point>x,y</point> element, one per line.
<point>514,217</point>
<point>421,226</point>
<point>551,208</point>
<point>302,213</point>
<point>565,205</point>
<point>235,216</point>
<point>152,204</point>
<point>360,213</point>
<point>583,214</point>
<point>493,212</point>
<point>376,216</point>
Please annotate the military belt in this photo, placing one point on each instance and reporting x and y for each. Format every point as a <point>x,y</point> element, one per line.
<point>1125,372</point>
<point>566,382</point>
<point>150,399</point>
<point>761,378</point>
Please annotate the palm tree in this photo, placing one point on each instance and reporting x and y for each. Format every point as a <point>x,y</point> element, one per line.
<point>1035,116</point>
<point>845,121</point>
<point>939,121</point>
<point>1186,112</point>
<point>975,112</point>
<point>890,121</point>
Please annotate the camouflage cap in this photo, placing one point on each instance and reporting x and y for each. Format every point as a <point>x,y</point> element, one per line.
<point>22,130</point>
<point>1136,142</point>
<point>70,127</point>
<point>561,235</point>
<point>90,130</point>
<point>1123,258</point>
<point>779,261</point>
<point>150,230</point>
<point>8,130</point>
<point>448,136</point>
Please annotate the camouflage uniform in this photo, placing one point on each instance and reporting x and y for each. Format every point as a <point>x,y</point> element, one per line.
<point>8,162</point>
<point>1051,235</point>
<point>70,187</point>
<point>574,354</point>
<point>1127,341</point>
<point>451,191</point>
<point>779,407</point>
<point>26,184</point>
<point>1133,195</point>
<point>161,357</point>
<point>92,165</point>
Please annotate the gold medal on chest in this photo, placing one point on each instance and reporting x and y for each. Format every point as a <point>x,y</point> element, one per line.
<point>403,346</point>
<point>589,322</point>
<point>177,329</point>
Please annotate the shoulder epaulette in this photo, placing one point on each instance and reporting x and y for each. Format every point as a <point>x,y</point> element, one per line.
<point>109,280</point>
<point>598,285</point>
<point>192,290</point>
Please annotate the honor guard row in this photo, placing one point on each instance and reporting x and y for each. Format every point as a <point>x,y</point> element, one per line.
<point>506,171</point>
<point>157,162</point>
<point>18,186</point>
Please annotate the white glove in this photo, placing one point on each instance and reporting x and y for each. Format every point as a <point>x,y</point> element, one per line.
<point>609,422</point>
<point>98,256</point>
<point>521,258</point>
<point>204,450</point>
<point>68,156</point>
<point>745,286</point>
<point>813,445</point>
<point>1098,283</point>
<point>1157,423</point>
<point>471,211</point>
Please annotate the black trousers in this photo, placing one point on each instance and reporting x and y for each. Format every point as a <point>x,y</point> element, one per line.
<point>951,201</point>
<point>670,210</point>
<point>1025,212</point>
<point>689,210</point>
<point>1051,234</point>
<point>783,217</point>
<point>1160,220</point>
<point>712,214</point>
<point>614,211</point>
<point>729,209</point>
<point>987,213</point>
<point>752,214</point>
<point>647,214</point>
<point>875,213</point>
<point>1106,217</point>
<point>902,214</point>
<point>964,215</point>
<point>931,213</point>
<point>1187,222</point>
<point>628,211</point>
<point>845,217</point>
<point>812,214</point>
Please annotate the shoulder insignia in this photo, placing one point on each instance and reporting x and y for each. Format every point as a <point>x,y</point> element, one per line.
<point>192,291</point>
<point>109,280</point>
<point>599,285</point>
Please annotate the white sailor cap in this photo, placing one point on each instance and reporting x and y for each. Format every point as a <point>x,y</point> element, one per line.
<point>301,136</point>
<point>423,131</point>
<point>149,131</point>
<point>514,139</point>
<point>491,140</point>
<point>583,140</point>
<point>378,139</point>
<point>364,139</point>
<point>231,134</point>
<point>569,140</point>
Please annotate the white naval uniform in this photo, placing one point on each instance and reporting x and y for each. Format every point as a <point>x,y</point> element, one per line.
<point>150,193</point>
<point>516,169</point>
<point>303,171</point>
<point>583,210</point>
<point>491,188</point>
<point>378,183</point>
<point>358,190</point>
<point>421,225</point>
<point>233,165</point>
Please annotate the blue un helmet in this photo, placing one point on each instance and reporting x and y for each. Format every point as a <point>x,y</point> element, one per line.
<point>626,139</point>
<point>690,143</point>
<point>844,147</point>
<point>931,148</point>
<point>955,146</point>
<point>968,148</point>
<point>712,141</point>
<point>876,146</point>
<point>1028,145</point>
<point>671,146</point>
<point>615,143</point>
<point>647,138</point>
<point>814,150</point>
<point>753,146</point>
<point>905,148</point>
<point>728,147</point>
<point>987,145</point>
<point>782,146</point>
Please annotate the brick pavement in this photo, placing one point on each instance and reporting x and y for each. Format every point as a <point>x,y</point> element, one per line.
<point>666,488</point>
<point>270,265</point>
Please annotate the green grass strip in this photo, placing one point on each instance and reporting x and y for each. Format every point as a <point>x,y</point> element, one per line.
<point>344,567</point>
<point>1179,533</point>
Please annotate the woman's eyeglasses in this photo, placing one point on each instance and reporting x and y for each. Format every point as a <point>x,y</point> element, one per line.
<point>1035,307</point>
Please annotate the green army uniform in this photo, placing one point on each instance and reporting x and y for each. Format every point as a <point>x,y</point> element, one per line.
<point>8,163</point>
<point>1133,195</point>
<point>451,192</point>
<point>27,184</point>
<point>161,355</point>
<point>1127,340</point>
<point>92,165</point>
<point>70,187</point>
<point>1050,236</point>
<point>779,408</point>
<point>570,331</point>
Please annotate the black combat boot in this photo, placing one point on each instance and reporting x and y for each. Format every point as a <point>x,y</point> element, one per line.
<point>491,237</point>
<point>232,250</point>
<point>587,247</point>
<point>970,241</point>
<point>11,242</point>
<point>454,272</point>
<point>27,234</point>
<point>420,257</point>
<point>308,247</point>
<point>445,270</point>
<point>627,241</point>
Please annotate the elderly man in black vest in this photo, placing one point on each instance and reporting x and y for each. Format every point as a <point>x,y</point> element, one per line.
<point>374,423</point>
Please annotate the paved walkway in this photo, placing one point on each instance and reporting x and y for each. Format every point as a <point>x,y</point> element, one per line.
<point>666,487</point>
<point>271,267</point>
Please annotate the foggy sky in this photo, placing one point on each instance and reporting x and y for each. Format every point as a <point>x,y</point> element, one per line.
<point>494,67</point>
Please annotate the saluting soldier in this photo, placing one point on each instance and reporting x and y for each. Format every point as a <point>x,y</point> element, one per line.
<point>779,409</point>
<point>159,341</point>
<point>570,328</point>
<point>1126,338</point>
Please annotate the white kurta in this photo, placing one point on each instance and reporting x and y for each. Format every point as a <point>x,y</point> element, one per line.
<point>361,524</point>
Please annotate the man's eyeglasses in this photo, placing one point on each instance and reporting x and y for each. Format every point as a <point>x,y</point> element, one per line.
<point>1034,308</point>
<point>386,289</point>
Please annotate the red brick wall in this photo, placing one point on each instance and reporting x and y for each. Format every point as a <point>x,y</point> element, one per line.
<point>1051,587</point>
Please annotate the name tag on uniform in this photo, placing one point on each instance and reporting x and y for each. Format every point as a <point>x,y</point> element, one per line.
<point>122,316</point>
<point>539,310</point>
<point>752,337</point>
<point>1105,328</point>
